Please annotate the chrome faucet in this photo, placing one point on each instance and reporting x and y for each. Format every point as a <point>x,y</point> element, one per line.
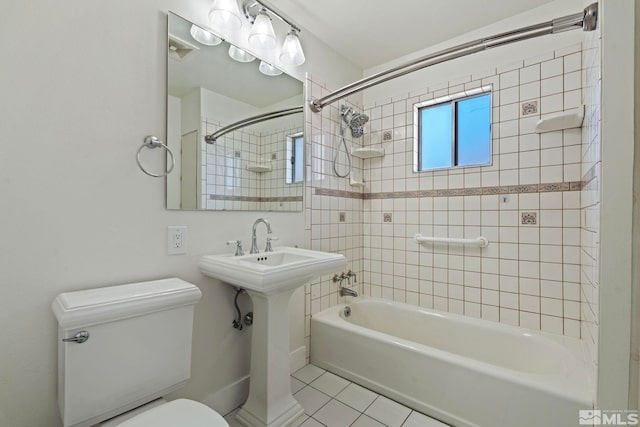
<point>254,240</point>
<point>346,292</point>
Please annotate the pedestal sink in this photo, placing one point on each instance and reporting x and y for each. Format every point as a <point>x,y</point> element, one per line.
<point>270,278</point>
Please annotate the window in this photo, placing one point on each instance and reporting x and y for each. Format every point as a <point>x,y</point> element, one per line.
<point>453,131</point>
<point>295,156</point>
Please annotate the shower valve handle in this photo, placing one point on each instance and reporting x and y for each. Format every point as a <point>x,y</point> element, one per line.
<point>351,274</point>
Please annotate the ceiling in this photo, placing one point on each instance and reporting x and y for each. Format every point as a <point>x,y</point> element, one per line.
<point>372,32</point>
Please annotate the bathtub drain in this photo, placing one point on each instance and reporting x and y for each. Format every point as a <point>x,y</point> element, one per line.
<point>347,311</point>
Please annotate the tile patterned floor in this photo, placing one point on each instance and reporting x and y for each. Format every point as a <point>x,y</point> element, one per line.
<point>331,401</point>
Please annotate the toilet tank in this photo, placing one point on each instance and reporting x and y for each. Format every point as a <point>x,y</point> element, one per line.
<point>139,347</point>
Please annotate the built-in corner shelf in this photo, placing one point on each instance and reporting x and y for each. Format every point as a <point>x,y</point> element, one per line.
<point>259,167</point>
<point>564,120</point>
<point>367,152</point>
<point>355,183</point>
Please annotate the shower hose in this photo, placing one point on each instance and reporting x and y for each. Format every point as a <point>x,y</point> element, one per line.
<point>342,143</point>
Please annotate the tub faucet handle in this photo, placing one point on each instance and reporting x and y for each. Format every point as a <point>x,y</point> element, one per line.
<point>338,278</point>
<point>351,274</point>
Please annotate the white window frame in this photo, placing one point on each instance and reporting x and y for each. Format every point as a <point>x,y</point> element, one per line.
<point>454,98</point>
<point>290,149</point>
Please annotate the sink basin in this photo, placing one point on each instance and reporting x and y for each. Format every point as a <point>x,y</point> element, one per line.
<point>269,272</point>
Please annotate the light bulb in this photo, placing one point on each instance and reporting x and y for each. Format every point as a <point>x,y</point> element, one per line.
<point>292,53</point>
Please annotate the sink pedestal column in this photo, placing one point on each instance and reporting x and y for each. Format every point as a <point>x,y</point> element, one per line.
<point>270,402</point>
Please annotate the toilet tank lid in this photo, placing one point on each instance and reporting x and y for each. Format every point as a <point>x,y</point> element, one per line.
<point>93,306</point>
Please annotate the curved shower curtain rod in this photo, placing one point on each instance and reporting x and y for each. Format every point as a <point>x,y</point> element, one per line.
<point>211,139</point>
<point>587,20</point>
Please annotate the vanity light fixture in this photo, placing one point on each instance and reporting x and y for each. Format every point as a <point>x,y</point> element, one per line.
<point>268,69</point>
<point>203,36</point>
<point>262,35</point>
<point>225,14</point>
<point>240,55</point>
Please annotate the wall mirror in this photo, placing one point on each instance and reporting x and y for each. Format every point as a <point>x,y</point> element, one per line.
<point>257,166</point>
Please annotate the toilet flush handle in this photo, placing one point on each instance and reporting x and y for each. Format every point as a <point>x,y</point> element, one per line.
<point>79,338</point>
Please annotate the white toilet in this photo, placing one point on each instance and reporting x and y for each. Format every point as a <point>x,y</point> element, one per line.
<point>138,349</point>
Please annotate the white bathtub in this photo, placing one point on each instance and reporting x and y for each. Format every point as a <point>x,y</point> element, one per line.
<point>463,371</point>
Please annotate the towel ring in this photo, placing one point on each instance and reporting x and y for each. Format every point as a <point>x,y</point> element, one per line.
<point>153,142</point>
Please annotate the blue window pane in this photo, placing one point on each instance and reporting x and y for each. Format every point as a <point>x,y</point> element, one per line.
<point>435,137</point>
<point>474,131</point>
<point>298,169</point>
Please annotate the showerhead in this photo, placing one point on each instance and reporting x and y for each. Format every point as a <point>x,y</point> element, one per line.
<point>358,120</point>
<point>354,120</point>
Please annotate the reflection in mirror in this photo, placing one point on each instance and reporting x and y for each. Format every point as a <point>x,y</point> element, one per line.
<point>258,167</point>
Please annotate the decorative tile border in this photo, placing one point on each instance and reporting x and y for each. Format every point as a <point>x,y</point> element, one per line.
<point>474,191</point>
<point>337,193</point>
<point>256,199</point>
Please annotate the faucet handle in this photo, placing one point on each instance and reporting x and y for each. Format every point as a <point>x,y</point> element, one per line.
<point>351,274</point>
<point>268,248</point>
<point>238,243</point>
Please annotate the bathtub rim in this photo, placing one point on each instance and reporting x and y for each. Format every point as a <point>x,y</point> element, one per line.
<point>582,393</point>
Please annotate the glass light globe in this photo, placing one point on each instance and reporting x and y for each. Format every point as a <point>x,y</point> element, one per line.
<point>240,55</point>
<point>292,53</point>
<point>262,35</point>
<point>268,69</point>
<point>205,37</point>
<point>225,14</point>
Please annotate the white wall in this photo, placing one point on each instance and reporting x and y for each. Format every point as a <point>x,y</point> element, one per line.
<point>616,203</point>
<point>174,139</point>
<point>190,110</point>
<point>85,83</point>
<point>221,109</point>
<point>215,106</point>
<point>634,395</point>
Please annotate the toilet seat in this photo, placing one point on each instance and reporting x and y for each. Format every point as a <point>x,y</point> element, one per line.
<point>177,413</point>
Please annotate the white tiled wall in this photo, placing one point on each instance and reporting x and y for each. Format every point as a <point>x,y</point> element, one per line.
<point>530,275</point>
<point>323,227</point>
<point>272,184</point>
<point>225,172</point>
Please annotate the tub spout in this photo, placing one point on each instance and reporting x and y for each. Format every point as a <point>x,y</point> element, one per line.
<point>346,292</point>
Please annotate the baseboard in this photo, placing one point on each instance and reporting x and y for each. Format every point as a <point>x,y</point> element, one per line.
<point>229,397</point>
<point>298,358</point>
<point>235,394</point>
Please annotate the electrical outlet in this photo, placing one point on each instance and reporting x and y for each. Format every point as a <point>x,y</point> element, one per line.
<point>176,240</point>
